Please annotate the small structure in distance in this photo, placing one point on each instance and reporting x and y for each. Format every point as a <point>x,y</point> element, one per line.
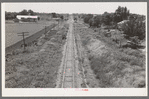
<point>120,24</point>
<point>26,18</point>
<point>56,19</point>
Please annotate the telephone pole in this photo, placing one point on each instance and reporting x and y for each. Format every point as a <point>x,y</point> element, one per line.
<point>23,34</point>
<point>45,30</point>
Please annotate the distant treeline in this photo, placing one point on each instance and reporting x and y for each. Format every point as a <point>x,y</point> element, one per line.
<point>133,27</point>
<point>12,15</point>
<point>120,14</point>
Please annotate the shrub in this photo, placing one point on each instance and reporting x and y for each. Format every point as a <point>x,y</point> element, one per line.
<point>136,62</point>
<point>63,36</point>
<point>134,31</point>
<point>100,65</point>
<point>87,18</point>
<point>95,21</point>
<point>132,52</point>
<point>16,20</point>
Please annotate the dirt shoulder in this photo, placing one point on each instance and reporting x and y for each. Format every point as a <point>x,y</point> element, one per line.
<point>37,67</point>
<point>109,65</point>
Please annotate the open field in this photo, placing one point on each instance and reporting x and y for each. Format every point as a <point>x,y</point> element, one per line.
<point>11,30</point>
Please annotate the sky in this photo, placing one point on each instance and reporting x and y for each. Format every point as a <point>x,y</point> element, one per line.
<point>80,7</point>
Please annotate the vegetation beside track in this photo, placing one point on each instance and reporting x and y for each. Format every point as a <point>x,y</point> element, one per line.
<point>113,66</point>
<point>37,66</point>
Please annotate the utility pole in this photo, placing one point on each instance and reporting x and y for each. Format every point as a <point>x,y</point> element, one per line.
<point>58,23</point>
<point>45,30</point>
<point>23,35</point>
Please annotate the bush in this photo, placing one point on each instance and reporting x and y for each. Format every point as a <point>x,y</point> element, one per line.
<point>63,36</point>
<point>132,52</point>
<point>95,21</point>
<point>136,62</point>
<point>16,20</point>
<point>101,67</point>
<point>29,49</point>
<point>87,18</point>
<point>134,31</point>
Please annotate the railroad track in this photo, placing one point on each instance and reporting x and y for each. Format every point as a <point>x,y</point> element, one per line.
<point>68,74</point>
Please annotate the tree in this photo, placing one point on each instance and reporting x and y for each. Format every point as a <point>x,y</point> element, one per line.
<point>75,19</point>
<point>106,18</point>
<point>54,15</point>
<point>134,30</point>
<point>10,15</point>
<point>87,18</point>
<point>24,12</point>
<point>62,17</point>
<point>97,20</point>
<point>30,12</point>
<point>91,22</point>
<point>121,13</point>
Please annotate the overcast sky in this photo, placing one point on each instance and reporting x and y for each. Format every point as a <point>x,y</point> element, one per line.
<point>90,7</point>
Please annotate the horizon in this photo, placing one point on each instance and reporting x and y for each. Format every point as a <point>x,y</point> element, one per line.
<point>80,8</point>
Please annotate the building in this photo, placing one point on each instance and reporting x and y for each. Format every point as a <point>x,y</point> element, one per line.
<point>56,19</point>
<point>120,24</point>
<point>27,18</point>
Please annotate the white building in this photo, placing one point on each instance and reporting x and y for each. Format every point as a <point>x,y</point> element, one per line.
<point>120,24</point>
<point>27,18</point>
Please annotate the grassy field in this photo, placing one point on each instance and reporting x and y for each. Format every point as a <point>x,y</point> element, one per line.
<point>11,30</point>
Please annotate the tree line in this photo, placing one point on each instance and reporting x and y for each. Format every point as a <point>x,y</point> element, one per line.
<point>12,15</point>
<point>106,18</point>
<point>133,29</point>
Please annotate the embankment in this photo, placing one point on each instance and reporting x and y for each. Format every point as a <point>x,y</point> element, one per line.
<point>29,39</point>
<point>114,67</point>
<point>37,67</point>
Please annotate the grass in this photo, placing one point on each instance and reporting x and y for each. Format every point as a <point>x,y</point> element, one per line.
<point>118,63</point>
<point>35,68</point>
<point>102,67</point>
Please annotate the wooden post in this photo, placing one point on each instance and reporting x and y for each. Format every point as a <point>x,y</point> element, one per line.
<point>45,30</point>
<point>23,35</point>
<point>58,23</point>
<point>23,40</point>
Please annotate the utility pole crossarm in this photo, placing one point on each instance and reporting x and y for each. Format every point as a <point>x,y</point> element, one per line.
<point>23,34</point>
